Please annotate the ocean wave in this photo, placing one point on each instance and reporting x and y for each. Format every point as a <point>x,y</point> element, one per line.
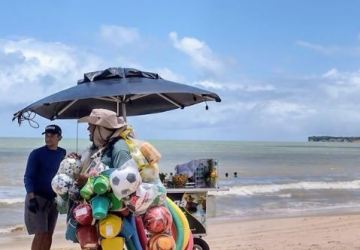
<point>249,190</point>
<point>290,210</point>
<point>11,201</point>
<point>288,195</point>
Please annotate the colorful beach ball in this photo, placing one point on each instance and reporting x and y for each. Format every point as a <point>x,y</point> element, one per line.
<point>125,182</point>
<point>142,199</point>
<point>157,219</point>
<point>70,167</point>
<point>161,242</point>
<point>61,183</point>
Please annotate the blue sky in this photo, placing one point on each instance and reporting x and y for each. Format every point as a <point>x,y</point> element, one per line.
<point>284,69</point>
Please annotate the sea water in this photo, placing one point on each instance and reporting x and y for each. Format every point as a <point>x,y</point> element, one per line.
<point>273,178</point>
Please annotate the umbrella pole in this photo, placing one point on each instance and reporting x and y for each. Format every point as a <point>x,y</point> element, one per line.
<point>77,137</point>
<point>123,109</point>
<point>117,108</point>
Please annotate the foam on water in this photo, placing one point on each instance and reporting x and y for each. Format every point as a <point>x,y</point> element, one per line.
<point>11,201</point>
<point>11,229</point>
<point>249,190</point>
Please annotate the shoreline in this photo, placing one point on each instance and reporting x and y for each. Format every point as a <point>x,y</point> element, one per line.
<point>20,228</point>
<point>13,229</point>
<point>338,230</point>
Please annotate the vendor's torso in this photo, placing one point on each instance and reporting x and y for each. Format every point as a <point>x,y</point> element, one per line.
<point>118,156</point>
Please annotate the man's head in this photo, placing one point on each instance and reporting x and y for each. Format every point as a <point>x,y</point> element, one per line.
<point>53,135</point>
<point>106,119</point>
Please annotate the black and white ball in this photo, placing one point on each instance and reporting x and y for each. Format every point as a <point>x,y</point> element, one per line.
<point>124,181</point>
<point>74,192</point>
<point>70,167</point>
<point>61,183</point>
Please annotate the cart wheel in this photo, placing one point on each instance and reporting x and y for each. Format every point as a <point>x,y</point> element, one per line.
<point>200,244</point>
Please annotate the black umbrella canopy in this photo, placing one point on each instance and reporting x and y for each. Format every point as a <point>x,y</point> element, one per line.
<point>127,91</point>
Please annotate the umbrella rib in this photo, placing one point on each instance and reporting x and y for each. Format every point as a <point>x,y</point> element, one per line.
<point>209,98</point>
<point>134,97</point>
<point>106,99</point>
<point>66,107</point>
<point>170,100</point>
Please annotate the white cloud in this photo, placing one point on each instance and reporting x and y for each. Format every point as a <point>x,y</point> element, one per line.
<point>30,69</point>
<point>119,35</point>
<point>330,50</point>
<point>343,85</point>
<point>285,110</point>
<point>201,55</point>
<point>169,75</point>
<point>316,47</point>
<point>208,84</point>
<point>253,87</point>
<point>331,73</point>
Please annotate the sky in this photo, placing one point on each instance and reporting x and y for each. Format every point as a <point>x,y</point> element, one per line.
<point>285,70</point>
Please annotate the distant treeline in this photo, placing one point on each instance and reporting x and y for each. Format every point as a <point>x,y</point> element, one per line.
<point>333,139</point>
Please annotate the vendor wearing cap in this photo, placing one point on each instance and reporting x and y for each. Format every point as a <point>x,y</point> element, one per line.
<point>40,208</point>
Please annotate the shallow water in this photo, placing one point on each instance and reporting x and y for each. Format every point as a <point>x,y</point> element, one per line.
<point>274,178</point>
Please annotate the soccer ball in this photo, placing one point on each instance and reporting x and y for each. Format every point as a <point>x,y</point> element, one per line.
<point>124,182</point>
<point>61,183</point>
<point>70,167</point>
<point>142,199</point>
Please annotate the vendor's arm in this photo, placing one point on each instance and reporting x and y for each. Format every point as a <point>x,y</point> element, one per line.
<point>30,173</point>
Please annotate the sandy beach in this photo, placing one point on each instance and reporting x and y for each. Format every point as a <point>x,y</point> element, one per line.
<point>312,232</point>
<point>309,232</point>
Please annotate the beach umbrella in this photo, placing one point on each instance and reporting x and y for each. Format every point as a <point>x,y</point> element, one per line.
<point>126,91</point>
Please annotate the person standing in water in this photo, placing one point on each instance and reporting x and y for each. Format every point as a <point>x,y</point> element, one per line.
<point>40,207</point>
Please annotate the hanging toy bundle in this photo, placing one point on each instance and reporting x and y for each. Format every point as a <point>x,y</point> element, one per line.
<point>125,206</point>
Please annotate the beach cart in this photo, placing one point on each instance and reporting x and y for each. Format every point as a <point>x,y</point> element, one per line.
<point>197,204</point>
<point>196,196</point>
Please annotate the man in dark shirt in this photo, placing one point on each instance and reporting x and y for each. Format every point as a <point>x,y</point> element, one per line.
<point>40,207</point>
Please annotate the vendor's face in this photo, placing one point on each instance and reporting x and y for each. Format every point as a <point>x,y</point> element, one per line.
<point>52,140</point>
<point>91,129</point>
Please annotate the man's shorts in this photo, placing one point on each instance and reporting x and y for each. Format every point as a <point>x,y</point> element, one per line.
<point>44,220</point>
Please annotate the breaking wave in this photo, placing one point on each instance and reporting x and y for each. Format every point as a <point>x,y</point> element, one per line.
<point>250,190</point>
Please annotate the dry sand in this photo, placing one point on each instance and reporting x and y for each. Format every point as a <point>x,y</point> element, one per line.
<point>312,232</point>
<point>309,232</point>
